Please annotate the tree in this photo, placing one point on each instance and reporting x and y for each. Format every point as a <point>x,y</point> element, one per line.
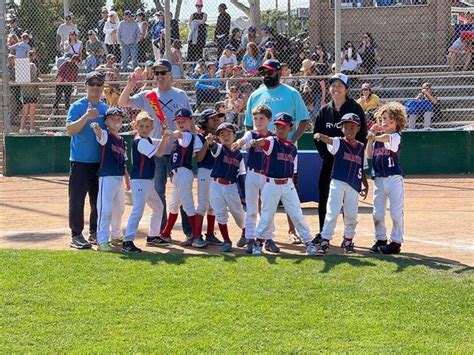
<point>177,11</point>
<point>86,17</point>
<point>133,5</point>
<point>252,11</point>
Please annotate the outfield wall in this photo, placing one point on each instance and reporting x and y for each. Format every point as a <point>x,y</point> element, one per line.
<point>423,153</point>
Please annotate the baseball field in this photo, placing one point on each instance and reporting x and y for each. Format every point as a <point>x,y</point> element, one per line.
<point>55,299</point>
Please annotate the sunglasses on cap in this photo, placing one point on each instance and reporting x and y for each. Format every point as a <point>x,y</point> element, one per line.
<point>161,72</point>
<point>96,83</point>
<point>115,111</point>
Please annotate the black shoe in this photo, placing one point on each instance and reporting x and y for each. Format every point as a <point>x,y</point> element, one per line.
<point>317,239</point>
<point>92,238</point>
<point>348,246</point>
<point>392,248</point>
<point>129,247</point>
<point>156,242</point>
<point>375,247</point>
<point>212,239</point>
<point>79,242</point>
<point>322,248</point>
<point>250,243</point>
<point>242,241</point>
<point>271,246</point>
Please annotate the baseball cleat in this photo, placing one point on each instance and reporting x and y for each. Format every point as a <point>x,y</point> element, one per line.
<point>116,242</point>
<point>227,248</point>
<point>92,238</point>
<point>104,247</point>
<point>348,246</point>
<point>294,239</point>
<point>310,249</point>
<point>199,243</point>
<point>322,249</point>
<point>375,247</point>
<point>213,240</point>
<point>242,242</point>
<point>130,247</point>
<point>392,248</point>
<point>156,242</point>
<point>187,242</point>
<point>271,247</point>
<point>79,242</point>
<point>317,239</point>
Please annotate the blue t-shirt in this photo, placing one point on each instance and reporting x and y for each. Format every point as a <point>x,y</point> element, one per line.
<point>283,98</point>
<point>84,147</point>
<point>250,63</point>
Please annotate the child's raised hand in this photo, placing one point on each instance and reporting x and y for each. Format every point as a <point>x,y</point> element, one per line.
<point>376,128</point>
<point>317,136</point>
<point>235,146</point>
<point>210,139</point>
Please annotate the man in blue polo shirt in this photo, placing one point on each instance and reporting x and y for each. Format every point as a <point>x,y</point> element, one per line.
<point>85,159</point>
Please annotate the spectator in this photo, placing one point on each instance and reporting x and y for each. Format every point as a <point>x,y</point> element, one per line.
<point>463,45</point>
<point>111,73</point>
<point>425,102</point>
<point>73,45</point>
<point>321,59</point>
<point>243,85</point>
<point>14,28</point>
<point>286,73</point>
<point>199,69</point>
<point>144,42</point>
<point>251,59</point>
<point>235,41</point>
<point>233,106</point>
<point>219,106</point>
<point>269,51</point>
<point>197,33</point>
<point>12,39</point>
<point>314,88</point>
<point>30,98</point>
<point>156,29</point>
<point>369,103</point>
<point>101,23</point>
<point>221,35</point>
<point>174,28</point>
<point>67,73</point>
<point>227,72</point>
<point>265,38</point>
<point>128,36</point>
<point>111,38</point>
<point>250,37</point>
<point>85,159</point>
<point>227,57</point>
<point>94,50</point>
<point>21,49</point>
<point>350,59</point>
<point>63,32</point>
<point>15,102</point>
<point>176,59</point>
<point>368,51</point>
<point>208,91</point>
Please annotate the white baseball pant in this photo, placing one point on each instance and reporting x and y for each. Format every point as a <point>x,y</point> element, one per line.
<point>227,196</point>
<point>143,192</point>
<point>341,194</point>
<point>204,190</point>
<point>182,194</point>
<point>392,188</point>
<point>271,196</point>
<point>254,183</point>
<point>110,208</point>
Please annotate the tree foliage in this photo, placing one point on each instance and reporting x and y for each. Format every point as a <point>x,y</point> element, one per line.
<point>86,14</point>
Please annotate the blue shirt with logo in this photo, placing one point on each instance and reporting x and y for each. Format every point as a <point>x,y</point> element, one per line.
<point>228,164</point>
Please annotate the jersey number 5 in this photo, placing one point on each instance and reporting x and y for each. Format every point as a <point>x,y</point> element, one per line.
<point>359,175</point>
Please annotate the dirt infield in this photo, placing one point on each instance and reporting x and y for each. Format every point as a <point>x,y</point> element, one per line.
<point>439,219</point>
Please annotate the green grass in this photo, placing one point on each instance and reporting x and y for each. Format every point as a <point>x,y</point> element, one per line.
<point>86,301</point>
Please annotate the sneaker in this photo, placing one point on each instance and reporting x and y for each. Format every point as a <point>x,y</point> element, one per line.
<point>271,246</point>
<point>199,243</point>
<point>32,131</point>
<point>317,239</point>
<point>130,247</point>
<point>250,243</point>
<point>322,249</point>
<point>227,248</point>
<point>156,242</point>
<point>92,238</point>
<point>104,247</point>
<point>116,242</point>
<point>22,131</point>
<point>257,248</point>
<point>166,239</point>
<point>294,239</point>
<point>310,249</point>
<point>378,243</point>
<point>187,242</point>
<point>348,246</point>
<point>212,239</point>
<point>242,241</point>
<point>79,242</point>
<point>392,248</point>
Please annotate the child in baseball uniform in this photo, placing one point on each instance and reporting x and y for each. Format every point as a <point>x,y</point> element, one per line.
<point>346,182</point>
<point>112,172</point>
<point>228,170</point>
<point>384,149</point>
<point>184,148</point>
<point>279,165</point>
<point>208,122</point>
<point>255,179</point>
<point>144,149</point>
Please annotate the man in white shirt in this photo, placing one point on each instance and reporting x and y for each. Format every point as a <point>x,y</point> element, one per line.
<point>62,34</point>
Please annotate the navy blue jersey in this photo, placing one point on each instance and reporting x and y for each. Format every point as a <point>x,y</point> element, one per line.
<point>143,166</point>
<point>181,156</point>
<point>208,161</point>
<point>256,156</point>
<point>386,162</point>
<point>227,164</point>
<point>280,163</point>
<point>112,156</point>
<point>349,163</point>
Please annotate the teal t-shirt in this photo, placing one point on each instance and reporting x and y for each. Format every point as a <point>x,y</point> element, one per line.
<point>283,98</point>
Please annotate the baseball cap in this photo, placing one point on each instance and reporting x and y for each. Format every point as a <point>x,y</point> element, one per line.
<point>365,86</point>
<point>182,113</point>
<point>251,29</point>
<point>206,114</point>
<point>350,117</point>
<point>104,9</point>
<point>265,28</point>
<point>69,15</point>
<point>162,64</point>
<point>270,64</point>
<point>114,111</point>
<point>226,125</point>
<point>127,13</point>
<point>229,46</point>
<point>149,63</point>
<point>269,44</point>
<point>110,56</point>
<point>284,119</point>
<point>140,13</point>
<point>341,77</point>
<point>224,6</point>
<point>95,74</point>
<point>160,13</point>
<point>91,32</point>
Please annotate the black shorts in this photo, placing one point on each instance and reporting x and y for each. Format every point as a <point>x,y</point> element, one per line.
<point>30,100</point>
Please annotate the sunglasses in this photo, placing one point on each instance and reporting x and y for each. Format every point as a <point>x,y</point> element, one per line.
<point>115,111</point>
<point>97,83</point>
<point>267,72</point>
<point>161,72</point>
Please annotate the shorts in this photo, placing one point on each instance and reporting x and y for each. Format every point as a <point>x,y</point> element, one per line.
<point>30,100</point>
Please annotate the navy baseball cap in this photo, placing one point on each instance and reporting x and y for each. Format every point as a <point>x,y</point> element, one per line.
<point>114,111</point>
<point>350,117</point>
<point>230,46</point>
<point>182,113</point>
<point>127,13</point>
<point>284,119</point>
<point>210,113</point>
<point>93,75</point>
<point>226,125</point>
<point>341,77</point>
<point>162,64</point>
<point>270,64</point>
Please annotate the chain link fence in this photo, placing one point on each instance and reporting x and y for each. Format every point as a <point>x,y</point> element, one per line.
<point>393,50</point>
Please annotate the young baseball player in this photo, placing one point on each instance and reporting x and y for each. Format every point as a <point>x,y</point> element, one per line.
<point>144,149</point>
<point>387,175</point>
<point>184,148</point>
<point>347,178</point>
<point>280,164</point>
<point>112,170</point>
<point>255,179</point>
<point>228,169</point>
<point>208,122</point>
